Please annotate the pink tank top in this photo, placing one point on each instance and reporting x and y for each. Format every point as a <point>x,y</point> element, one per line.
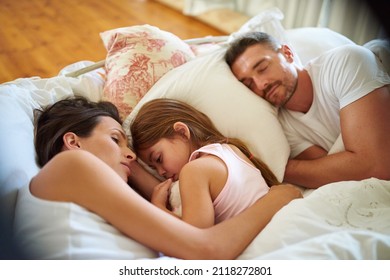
<point>244,184</point>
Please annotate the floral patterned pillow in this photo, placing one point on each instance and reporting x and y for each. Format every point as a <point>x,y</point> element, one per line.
<point>137,57</point>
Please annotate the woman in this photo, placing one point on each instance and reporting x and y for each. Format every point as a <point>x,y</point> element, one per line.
<point>86,162</point>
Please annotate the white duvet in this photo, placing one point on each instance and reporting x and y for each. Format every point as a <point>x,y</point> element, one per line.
<point>344,220</point>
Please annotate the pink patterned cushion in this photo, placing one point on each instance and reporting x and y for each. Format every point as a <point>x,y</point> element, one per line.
<point>138,56</point>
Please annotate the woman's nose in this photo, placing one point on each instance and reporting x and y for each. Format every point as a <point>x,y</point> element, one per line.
<point>130,155</point>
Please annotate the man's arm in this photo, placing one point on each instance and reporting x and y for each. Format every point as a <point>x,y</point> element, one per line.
<point>365,128</point>
<point>312,152</point>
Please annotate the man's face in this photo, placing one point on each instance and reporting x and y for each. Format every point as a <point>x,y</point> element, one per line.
<point>268,73</point>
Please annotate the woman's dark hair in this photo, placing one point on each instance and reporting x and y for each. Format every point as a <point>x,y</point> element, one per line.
<point>76,114</point>
<point>238,47</point>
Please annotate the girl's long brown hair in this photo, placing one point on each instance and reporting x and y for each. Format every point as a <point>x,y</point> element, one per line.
<point>156,118</point>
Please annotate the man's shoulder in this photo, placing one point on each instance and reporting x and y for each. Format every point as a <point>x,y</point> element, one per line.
<point>337,59</point>
<point>348,51</point>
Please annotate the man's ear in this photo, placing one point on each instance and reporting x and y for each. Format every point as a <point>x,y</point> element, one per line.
<point>288,53</point>
<point>71,141</point>
<point>182,129</point>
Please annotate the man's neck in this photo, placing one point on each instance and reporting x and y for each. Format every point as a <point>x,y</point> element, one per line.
<point>302,98</point>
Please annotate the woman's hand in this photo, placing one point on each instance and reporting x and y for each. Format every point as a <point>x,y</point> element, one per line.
<point>286,191</point>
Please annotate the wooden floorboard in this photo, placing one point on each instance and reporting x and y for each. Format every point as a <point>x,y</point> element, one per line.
<point>39,38</point>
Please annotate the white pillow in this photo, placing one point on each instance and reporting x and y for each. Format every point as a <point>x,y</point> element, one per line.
<point>268,21</point>
<point>310,42</point>
<point>208,84</point>
<point>18,99</point>
<point>17,159</point>
<point>306,42</point>
<point>381,48</point>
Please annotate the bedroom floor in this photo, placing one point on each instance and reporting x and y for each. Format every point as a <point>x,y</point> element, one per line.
<point>39,38</point>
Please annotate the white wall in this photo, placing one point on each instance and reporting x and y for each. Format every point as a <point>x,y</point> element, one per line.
<point>352,18</point>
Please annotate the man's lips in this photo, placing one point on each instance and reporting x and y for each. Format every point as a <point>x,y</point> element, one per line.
<point>270,93</point>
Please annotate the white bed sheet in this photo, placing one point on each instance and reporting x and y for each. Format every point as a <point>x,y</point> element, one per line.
<point>343,220</point>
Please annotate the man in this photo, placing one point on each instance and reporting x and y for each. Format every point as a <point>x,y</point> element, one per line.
<point>344,91</point>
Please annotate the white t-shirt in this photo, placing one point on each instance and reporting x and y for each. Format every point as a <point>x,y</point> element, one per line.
<point>339,77</point>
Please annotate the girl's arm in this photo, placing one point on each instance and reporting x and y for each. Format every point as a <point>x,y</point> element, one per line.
<point>98,188</point>
<point>201,181</point>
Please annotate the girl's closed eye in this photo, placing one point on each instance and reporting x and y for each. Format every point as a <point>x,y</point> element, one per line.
<point>155,162</point>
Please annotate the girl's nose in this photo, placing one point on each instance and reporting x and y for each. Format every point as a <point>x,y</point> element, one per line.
<point>161,171</point>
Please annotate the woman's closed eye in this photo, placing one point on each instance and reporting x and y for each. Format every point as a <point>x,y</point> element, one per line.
<point>115,139</point>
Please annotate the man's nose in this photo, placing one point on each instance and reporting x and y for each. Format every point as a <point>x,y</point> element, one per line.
<point>260,83</point>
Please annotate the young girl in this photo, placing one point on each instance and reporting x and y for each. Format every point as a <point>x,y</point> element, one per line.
<point>81,195</point>
<point>219,177</point>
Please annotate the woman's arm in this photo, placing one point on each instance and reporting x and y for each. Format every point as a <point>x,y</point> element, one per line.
<point>98,188</point>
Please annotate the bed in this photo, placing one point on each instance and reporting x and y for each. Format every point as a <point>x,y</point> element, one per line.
<point>342,220</point>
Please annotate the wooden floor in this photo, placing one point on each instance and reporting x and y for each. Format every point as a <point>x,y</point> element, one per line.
<point>40,37</point>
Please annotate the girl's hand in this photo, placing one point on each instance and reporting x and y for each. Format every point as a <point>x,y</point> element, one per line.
<point>160,195</point>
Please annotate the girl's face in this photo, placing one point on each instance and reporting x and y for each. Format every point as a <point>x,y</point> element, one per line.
<point>168,156</point>
<point>109,143</point>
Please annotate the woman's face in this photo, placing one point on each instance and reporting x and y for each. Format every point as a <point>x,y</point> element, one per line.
<point>167,156</point>
<point>109,143</point>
